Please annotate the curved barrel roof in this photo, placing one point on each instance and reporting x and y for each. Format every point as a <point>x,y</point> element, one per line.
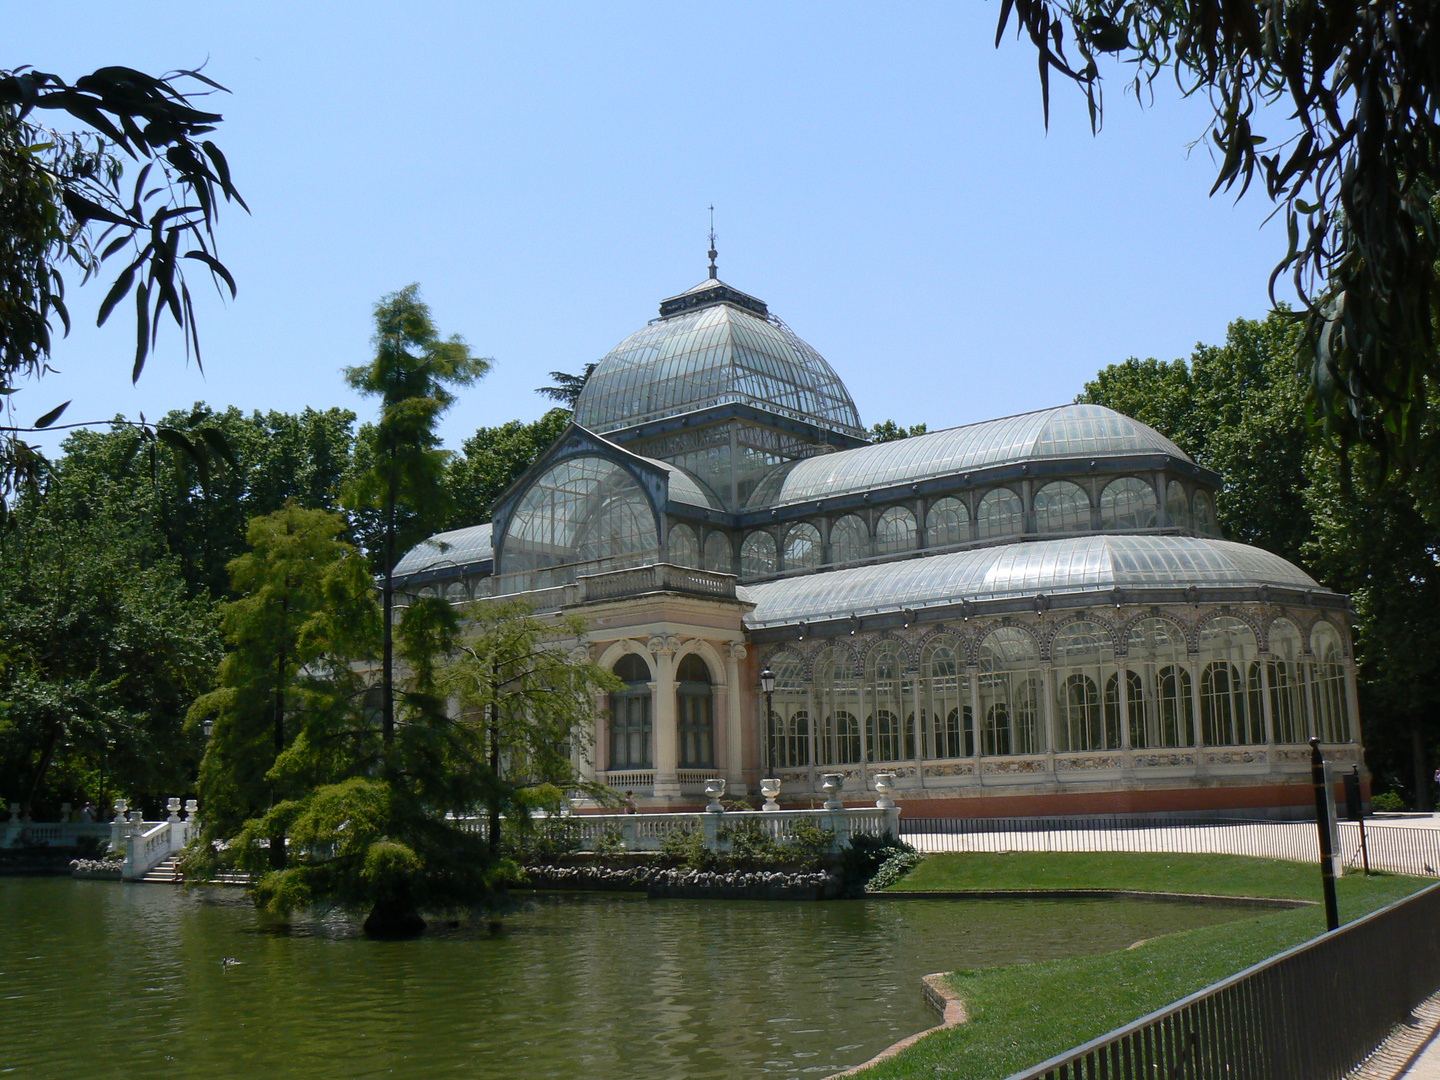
<point>1011,571</point>
<point>458,547</point>
<point>1069,431</point>
<point>716,354</point>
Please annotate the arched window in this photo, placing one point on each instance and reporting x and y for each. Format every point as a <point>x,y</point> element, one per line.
<point>895,531</point>
<point>1177,506</point>
<point>1000,514</point>
<point>1332,713</point>
<point>1062,507</point>
<point>1009,691</point>
<point>455,592</point>
<point>1285,672</point>
<point>1162,713</point>
<point>695,721</point>
<point>888,728</point>
<point>632,742</point>
<point>684,546</point>
<point>802,547</point>
<point>837,703</point>
<point>719,555</point>
<point>1205,523</point>
<point>583,515</point>
<point>789,719</point>
<point>947,522</point>
<point>1127,503</point>
<point>947,721</point>
<point>757,555</point>
<point>1228,714</point>
<point>849,540</point>
<point>1084,657</point>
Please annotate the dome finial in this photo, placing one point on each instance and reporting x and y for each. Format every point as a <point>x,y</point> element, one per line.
<point>713,274</point>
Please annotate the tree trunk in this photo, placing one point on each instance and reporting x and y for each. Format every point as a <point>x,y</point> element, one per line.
<point>495,753</point>
<point>393,920</point>
<point>277,841</point>
<point>47,752</point>
<point>387,606</point>
<point>1421,761</point>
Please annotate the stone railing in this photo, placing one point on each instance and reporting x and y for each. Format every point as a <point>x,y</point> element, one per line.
<point>144,844</point>
<point>647,832</point>
<point>20,831</point>
<point>657,577</point>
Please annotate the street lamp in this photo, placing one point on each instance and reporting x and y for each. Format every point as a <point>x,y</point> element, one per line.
<point>767,687</point>
<point>207,726</point>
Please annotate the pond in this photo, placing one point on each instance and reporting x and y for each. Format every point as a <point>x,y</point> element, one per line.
<point>107,980</point>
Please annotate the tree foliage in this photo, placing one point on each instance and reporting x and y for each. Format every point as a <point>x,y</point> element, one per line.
<point>67,202</point>
<point>401,483</point>
<point>566,388</point>
<point>1354,171</point>
<point>494,458</point>
<point>890,430</point>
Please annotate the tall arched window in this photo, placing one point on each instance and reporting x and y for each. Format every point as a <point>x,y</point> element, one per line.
<point>1162,711</point>
<point>790,719</point>
<point>1000,514</point>
<point>837,702</point>
<point>696,719</point>
<point>849,540</point>
<point>684,546</point>
<point>1177,505</point>
<point>632,741</point>
<point>1062,507</point>
<point>1228,713</point>
<point>1127,503</point>
<point>1009,690</point>
<point>1205,523</point>
<point>895,531</point>
<point>581,516</point>
<point>949,727</point>
<point>802,547</point>
<point>1332,714</point>
<point>719,555</point>
<point>757,555</point>
<point>1084,657</point>
<point>1285,671</point>
<point>947,522</point>
<point>888,728</point>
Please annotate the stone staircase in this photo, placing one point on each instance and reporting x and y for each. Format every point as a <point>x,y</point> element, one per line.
<point>166,872</point>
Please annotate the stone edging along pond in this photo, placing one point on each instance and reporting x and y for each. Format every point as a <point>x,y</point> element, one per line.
<point>678,883</point>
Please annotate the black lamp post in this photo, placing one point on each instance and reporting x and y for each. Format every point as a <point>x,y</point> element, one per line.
<point>767,687</point>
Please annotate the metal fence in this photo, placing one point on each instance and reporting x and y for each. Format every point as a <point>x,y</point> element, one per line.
<point>1312,1013</point>
<point>1393,849</point>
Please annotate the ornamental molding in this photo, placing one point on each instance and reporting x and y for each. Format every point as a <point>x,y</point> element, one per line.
<point>1006,768</point>
<point>1081,764</point>
<point>1081,617</point>
<point>962,769</point>
<point>580,655</point>
<point>1187,632</point>
<point>1160,761</point>
<point>1236,757</point>
<point>737,651</point>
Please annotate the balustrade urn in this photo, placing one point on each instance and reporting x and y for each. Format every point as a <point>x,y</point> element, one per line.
<point>137,817</point>
<point>192,807</point>
<point>714,788</point>
<point>884,785</point>
<point>14,811</point>
<point>172,805</point>
<point>120,807</point>
<point>770,788</point>
<point>65,809</point>
<point>831,783</point>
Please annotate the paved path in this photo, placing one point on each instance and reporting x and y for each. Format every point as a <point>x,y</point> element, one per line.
<point>1412,1052</point>
<point>1409,845</point>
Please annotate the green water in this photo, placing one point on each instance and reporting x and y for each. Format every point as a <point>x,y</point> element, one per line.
<point>106,980</point>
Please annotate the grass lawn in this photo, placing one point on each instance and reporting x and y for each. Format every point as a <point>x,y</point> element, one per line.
<point>1022,1014</point>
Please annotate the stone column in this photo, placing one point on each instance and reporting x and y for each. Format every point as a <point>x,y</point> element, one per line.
<point>1352,702</point>
<point>1193,663</point>
<point>667,737</point>
<point>599,759</point>
<point>1122,680</point>
<point>977,721</point>
<point>734,729</point>
<point>1047,690</point>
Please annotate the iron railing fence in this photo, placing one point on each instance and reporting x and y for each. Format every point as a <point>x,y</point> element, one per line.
<point>1312,1013</point>
<point>1392,848</point>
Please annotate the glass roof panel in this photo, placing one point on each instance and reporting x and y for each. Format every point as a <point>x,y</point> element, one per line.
<point>714,355</point>
<point>1067,431</point>
<point>459,547</point>
<point>1073,565</point>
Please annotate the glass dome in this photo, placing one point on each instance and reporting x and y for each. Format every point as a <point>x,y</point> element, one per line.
<point>719,347</point>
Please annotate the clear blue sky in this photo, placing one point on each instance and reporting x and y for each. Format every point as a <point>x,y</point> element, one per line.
<point>882,177</point>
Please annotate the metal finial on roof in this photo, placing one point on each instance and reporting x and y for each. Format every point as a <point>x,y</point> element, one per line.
<point>713,273</point>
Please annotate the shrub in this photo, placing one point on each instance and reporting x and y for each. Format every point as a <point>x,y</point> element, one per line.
<point>1387,802</point>
<point>893,869</point>
<point>863,857</point>
<point>609,843</point>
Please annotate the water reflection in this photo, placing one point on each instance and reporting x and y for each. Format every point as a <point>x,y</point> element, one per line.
<point>128,981</point>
